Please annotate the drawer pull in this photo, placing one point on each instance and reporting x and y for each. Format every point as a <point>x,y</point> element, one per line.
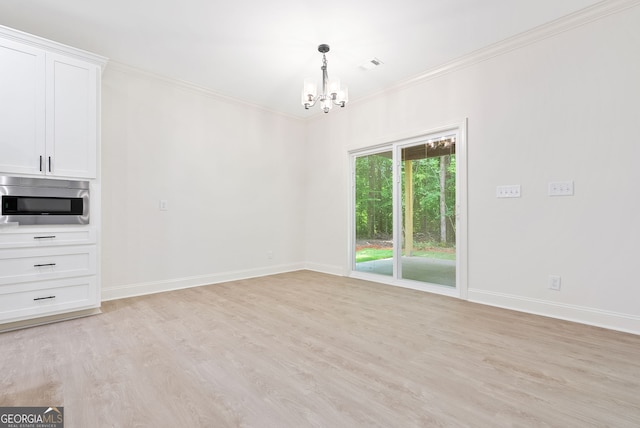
<point>44,264</point>
<point>44,237</point>
<point>45,298</point>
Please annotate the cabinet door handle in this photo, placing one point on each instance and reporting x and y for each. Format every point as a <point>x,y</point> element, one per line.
<point>49,163</point>
<point>44,264</point>
<point>45,298</point>
<point>44,237</point>
<point>40,163</point>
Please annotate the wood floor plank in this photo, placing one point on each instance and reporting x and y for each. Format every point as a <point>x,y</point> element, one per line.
<point>304,349</point>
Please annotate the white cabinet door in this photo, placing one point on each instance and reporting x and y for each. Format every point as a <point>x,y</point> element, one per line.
<point>72,95</point>
<point>39,264</point>
<point>22,108</point>
<point>37,299</point>
<point>20,238</point>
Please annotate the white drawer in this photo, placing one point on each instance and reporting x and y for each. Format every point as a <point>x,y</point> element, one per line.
<point>17,238</point>
<point>36,264</point>
<point>57,296</point>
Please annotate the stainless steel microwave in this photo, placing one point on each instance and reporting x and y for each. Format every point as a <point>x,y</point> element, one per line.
<point>29,201</point>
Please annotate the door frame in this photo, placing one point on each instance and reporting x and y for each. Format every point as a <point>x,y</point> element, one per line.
<point>395,145</point>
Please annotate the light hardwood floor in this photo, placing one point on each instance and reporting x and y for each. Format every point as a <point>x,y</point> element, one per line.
<point>304,349</point>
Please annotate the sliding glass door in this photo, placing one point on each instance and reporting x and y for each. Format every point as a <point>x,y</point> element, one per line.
<point>428,195</point>
<point>405,212</point>
<point>374,213</point>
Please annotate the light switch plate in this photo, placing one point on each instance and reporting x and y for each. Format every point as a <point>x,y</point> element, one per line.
<point>510,191</point>
<point>561,188</point>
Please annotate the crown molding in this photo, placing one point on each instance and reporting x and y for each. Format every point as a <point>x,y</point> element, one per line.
<point>51,46</point>
<point>569,22</point>
<point>191,87</point>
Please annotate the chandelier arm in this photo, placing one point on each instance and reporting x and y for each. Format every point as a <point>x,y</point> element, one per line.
<point>312,102</point>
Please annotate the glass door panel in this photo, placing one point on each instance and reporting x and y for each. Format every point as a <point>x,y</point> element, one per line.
<point>374,213</point>
<point>428,196</point>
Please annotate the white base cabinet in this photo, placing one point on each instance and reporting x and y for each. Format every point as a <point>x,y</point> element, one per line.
<point>47,271</point>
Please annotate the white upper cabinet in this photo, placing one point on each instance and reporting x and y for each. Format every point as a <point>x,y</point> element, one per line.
<point>22,108</point>
<point>72,128</point>
<point>49,107</point>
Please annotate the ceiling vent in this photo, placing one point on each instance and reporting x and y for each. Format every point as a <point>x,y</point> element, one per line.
<point>371,64</point>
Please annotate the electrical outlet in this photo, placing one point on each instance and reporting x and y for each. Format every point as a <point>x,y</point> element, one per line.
<point>270,255</point>
<point>510,191</point>
<point>554,282</point>
<point>163,205</point>
<point>561,188</point>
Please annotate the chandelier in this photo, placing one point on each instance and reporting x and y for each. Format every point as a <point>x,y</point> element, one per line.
<point>331,93</point>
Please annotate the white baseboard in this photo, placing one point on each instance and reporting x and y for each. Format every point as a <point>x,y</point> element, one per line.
<point>16,325</point>
<point>140,289</point>
<point>584,315</point>
<point>580,314</point>
<point>328,269</point>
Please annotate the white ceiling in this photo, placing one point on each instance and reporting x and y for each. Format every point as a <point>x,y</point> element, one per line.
<point>260,51</point>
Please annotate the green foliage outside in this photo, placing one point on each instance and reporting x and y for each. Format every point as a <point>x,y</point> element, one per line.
<point>374,206</point>
<point>374,197</point>
<point>427,194</point>
<point>369,254</point>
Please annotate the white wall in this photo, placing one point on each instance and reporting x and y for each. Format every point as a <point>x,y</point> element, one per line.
<point>233,176</point>
<point>563,108</point>
<point>241,181</point>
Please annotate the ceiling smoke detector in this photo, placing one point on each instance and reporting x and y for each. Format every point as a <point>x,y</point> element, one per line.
<point>372,63</point>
